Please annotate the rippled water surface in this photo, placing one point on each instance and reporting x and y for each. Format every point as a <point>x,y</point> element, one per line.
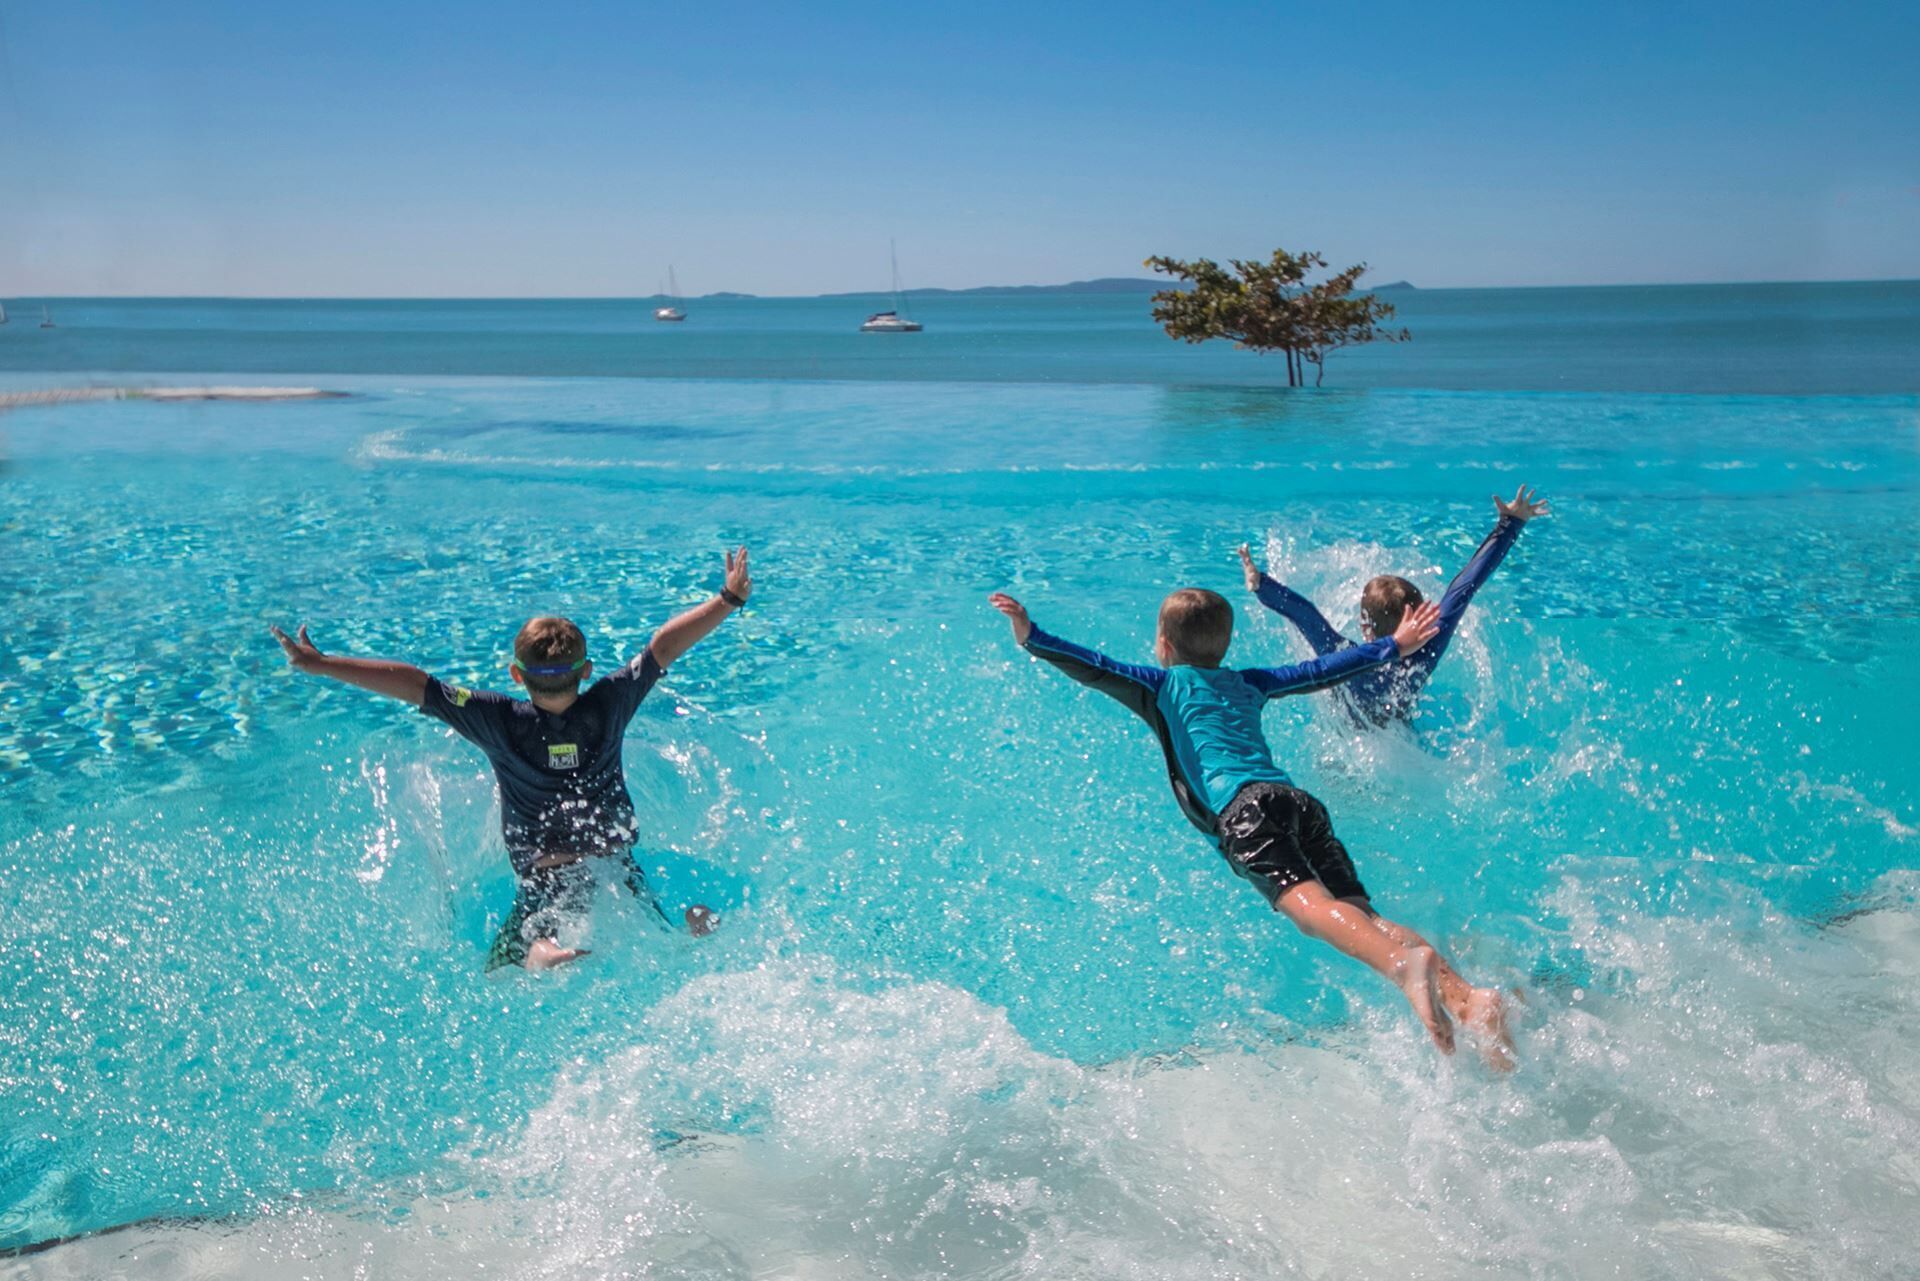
<point>1850,338</point>
<point>983,1005</point>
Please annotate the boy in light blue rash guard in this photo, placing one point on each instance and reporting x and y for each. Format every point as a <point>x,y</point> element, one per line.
<point>1392,691</point>
<point>564,808</point>
<point>1273,834</point>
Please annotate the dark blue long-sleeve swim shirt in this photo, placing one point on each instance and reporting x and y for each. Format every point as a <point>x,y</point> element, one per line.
<point>1391,692</point>
<point>1208,718</point>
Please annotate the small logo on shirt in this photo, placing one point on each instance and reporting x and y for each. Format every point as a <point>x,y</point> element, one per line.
<point>461,695</point>
<point>563,756</point>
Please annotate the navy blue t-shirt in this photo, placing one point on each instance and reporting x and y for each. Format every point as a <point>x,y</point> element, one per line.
<point>562,789</point>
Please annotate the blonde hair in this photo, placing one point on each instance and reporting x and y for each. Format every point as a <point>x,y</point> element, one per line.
<point>1198,625</point>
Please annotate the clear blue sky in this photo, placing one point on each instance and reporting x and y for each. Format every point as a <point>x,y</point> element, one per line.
<point>493,148</point>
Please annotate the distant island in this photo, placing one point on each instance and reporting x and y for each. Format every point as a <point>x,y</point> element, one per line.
<point>1104,285</point>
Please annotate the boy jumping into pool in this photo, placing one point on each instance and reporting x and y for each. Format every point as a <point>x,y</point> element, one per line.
<point>1392,691</point>
<point>564,805</point>
<point>1207,718</point>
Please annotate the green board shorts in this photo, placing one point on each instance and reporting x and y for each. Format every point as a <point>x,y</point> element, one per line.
<point>550,898</point>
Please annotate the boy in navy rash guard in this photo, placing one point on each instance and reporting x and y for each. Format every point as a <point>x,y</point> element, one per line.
<point>564,807</point>
<point>1273,834</point>
<point>1391,692</point>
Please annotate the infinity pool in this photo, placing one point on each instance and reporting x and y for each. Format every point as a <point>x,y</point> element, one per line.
<point>983,1005</point>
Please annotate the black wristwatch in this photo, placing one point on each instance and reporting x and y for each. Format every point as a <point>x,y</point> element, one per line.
<point>726,594</point>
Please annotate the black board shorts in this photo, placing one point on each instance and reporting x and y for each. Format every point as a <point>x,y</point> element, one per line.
<point>1278,837</point>
<point>552,898</point>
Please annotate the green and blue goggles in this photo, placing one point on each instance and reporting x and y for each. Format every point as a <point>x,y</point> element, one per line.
<point>549,669</point>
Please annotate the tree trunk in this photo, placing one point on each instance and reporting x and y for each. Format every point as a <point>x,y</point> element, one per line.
<point>1319,370</point>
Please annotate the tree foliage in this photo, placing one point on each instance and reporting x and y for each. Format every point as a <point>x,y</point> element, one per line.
<point>1270,306</point>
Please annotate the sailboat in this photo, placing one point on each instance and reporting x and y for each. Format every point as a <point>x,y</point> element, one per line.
<point>670,312</point>
<point>3,313</point>
<point>891,322</point>
<point>46,317</point>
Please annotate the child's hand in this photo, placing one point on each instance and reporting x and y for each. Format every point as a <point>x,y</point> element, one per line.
<point>1249,569</point>
<point>1016,614</point>
<point>302,654</point>
<point>739,581</point>
<point>1417,626</point>
<point>1526,504</point>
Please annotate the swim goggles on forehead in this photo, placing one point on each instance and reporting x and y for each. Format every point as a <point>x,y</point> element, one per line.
<point>549,669</point>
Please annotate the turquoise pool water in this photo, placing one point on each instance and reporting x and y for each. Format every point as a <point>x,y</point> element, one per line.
<point>983,1005</point>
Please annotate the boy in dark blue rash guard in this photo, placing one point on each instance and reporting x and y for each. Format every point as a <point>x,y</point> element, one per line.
<point>564,807</point>
<point>1273,834</point>
<point>1392,691</point>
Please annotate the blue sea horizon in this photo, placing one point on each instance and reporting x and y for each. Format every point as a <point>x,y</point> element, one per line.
<point>1839,338</point>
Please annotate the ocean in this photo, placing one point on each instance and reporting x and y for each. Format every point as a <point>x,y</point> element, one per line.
<point>982,1004</point>
<point>1860,338</point>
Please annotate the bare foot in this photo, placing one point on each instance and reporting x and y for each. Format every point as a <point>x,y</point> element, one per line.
<point>1418,976</point>
<point>702,920</point>
<point>1486,1018</point>
<point>545,954</point>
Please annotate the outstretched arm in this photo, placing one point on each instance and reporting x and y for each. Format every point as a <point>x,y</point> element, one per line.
<point>403,681</point>
<point>1133,684</point>
<point>1291,605</point>
<point>1514,515</point>
<point>1417,627</point>
<point>682,632</point>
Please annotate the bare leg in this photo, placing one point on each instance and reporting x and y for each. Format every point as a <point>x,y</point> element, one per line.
<point>1412,967</point>
<point>545,954</point>
<point>1454,990</point>
<point>1481,1009</point>
<point>1487,1017</point>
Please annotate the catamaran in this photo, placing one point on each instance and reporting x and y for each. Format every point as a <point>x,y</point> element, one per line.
<point>46,317</point>
<point>670,312</point>
<point>891,322</point>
